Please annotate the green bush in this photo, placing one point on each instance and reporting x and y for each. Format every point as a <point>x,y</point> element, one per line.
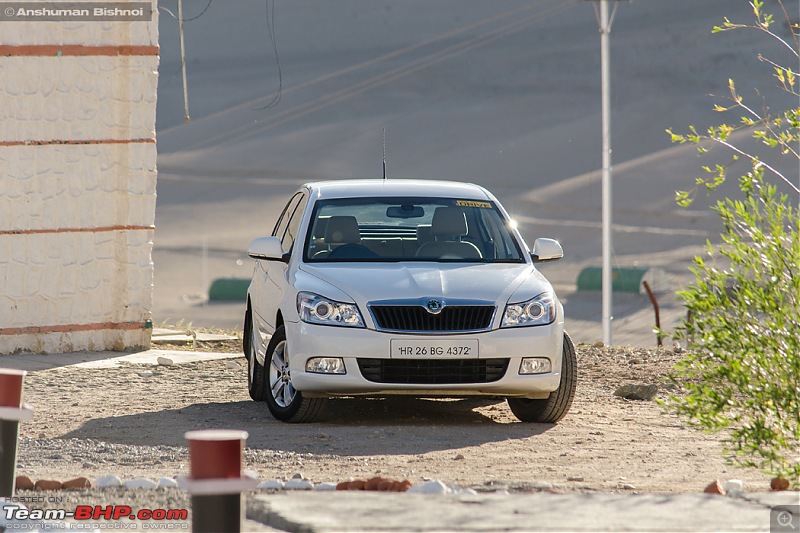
<point>742,371</point>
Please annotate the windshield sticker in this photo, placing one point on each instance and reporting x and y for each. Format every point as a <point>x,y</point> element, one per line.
<point>473,203</point>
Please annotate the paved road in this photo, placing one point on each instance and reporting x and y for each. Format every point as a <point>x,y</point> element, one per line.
<point>504,94</point>
<point>324,512</point>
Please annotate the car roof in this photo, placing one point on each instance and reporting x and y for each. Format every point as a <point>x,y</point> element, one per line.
<point>397,187</point>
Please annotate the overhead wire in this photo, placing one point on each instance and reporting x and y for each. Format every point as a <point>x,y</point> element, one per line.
<point>378,60</point>
<point>276,98</point>
<point>171,14</point>
<point>391,75</point>
<point>181,20</point>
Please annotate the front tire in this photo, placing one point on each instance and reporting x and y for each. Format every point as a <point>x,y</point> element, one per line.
<point>256,375</point>
<point>552,409</point>
<point>285,402</point>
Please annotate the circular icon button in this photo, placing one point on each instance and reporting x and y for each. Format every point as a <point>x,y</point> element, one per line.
<point>785,519</point>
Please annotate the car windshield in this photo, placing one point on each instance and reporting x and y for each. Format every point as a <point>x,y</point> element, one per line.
<point>409,229</point>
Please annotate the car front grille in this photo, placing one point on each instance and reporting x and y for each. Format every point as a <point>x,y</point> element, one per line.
<point>432,371</point>
<point>418,318</point>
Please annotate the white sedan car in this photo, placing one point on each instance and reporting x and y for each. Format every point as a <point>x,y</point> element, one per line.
<point>415,287</point>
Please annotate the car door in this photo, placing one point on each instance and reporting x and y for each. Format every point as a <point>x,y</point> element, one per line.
<point>275,272</point>
<point>261,275</point>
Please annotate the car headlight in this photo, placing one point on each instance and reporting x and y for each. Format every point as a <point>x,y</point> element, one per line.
<point>538,311</point>
<point>315,309</point>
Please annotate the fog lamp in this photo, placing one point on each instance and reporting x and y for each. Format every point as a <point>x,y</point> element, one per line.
<point>326,365</point>
<point>535,365</point>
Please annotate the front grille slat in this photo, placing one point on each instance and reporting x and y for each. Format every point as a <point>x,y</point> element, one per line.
<point>417,318</point>
<point>432,371</point>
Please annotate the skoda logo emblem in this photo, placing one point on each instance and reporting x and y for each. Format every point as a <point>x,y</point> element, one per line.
<point>434,306</point>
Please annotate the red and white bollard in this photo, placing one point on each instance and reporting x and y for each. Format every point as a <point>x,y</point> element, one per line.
<point>12,411</point>
<point>215,480</point>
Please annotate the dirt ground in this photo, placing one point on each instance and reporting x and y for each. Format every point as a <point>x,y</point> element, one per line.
<point>130,421</point>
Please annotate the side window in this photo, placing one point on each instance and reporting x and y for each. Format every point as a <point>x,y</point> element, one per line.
<point>283,220</point>
<point>287,241</point>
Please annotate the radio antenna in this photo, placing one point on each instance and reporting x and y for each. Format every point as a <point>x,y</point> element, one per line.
<point>384,153</point>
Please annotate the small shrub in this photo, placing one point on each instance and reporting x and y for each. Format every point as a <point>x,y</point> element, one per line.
<point>742,369</point>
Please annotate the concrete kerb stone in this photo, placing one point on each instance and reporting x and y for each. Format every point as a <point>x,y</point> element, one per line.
<point>163,335</point>
<point>363,511</point>
<point>34,362</point>
<point>772,499</point>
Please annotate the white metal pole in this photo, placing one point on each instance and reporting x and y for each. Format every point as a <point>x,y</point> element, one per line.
<point>183,63</point>
<point>204,271</point>
<point>607,281</point>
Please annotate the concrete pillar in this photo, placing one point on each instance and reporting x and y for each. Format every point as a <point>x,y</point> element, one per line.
<point>77,182</point>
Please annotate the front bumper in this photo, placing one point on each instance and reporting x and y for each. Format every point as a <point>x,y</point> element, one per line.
<point>308,340</point>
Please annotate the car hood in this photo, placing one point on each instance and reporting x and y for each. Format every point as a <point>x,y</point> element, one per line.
<point>496,282</point>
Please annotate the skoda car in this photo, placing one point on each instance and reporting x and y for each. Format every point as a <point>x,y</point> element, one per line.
<point>415,287</point>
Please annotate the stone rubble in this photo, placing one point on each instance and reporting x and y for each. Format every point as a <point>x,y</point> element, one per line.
<point>24,483</point>
<point>140,483</point>
<point>779,484</point>
<point>167,483</point>
<point>715,487</point>
<point>634,391</point>
<point>271,484</point>
<point>47,484</point>
<point>298,484</point>
<point>733,485</point>
<point>108,482</point>
<point>77,483</point>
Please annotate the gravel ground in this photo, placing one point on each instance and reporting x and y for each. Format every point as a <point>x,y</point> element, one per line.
<point>129,421</point>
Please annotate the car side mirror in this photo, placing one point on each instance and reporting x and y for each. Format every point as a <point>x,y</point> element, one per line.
<point>545,250</point>
<point>267,249</point>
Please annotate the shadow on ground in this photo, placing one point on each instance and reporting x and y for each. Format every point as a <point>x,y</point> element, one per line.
<point>348,426</point>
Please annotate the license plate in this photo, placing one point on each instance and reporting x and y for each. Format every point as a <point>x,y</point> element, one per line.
<point>405,349</point>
